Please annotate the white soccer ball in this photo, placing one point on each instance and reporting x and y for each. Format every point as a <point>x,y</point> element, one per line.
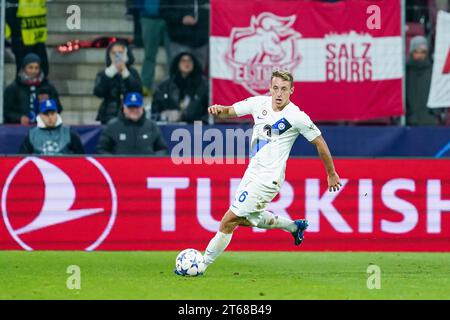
<point>190,263</point>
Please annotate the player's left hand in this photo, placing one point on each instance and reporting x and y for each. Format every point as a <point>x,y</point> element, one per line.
<point>215,110</point>
<point>334,183</point>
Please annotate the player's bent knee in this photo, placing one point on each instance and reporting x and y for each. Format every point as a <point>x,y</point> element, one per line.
<point>245,223</point>
<point>229,222</point>
<point>227,227</point>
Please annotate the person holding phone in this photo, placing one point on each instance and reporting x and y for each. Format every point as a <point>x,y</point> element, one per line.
<point>117,79</point>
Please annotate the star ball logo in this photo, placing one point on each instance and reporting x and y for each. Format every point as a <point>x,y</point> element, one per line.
<point>50,147</point>
<point>59,204</point>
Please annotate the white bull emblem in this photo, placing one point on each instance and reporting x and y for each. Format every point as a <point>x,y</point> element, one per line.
<point>270,43</point>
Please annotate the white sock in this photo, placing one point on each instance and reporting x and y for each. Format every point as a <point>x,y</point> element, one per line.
<point>216,246</point>
<point>271,221</point>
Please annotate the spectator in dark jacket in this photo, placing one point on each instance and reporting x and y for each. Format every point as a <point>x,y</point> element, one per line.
<point>116,80</point>
<point>131,133</point>
<point>184,96</point>
<point>50,136</point>
<point>418,80</point>
<point>21,98</point>
<point>188,27</point>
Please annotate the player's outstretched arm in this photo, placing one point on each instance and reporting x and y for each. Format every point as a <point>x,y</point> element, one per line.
<point>324,153</point>
<point>222,112</point>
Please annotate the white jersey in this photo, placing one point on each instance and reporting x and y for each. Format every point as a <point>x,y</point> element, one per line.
<point>274,133</point>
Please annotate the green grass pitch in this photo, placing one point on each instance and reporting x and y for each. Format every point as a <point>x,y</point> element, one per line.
<point>235,275</point>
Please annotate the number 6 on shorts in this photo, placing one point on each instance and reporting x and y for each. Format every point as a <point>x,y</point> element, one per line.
<point>243,196</point>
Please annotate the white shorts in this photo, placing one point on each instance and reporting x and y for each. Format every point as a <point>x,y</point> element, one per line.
<point>251,200</point>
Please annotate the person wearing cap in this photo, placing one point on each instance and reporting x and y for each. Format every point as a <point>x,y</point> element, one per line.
<point>21,97</point>
<point>113,82</point>
<point>50,137</point>
<point>131,133</point>
<point>418,80</point>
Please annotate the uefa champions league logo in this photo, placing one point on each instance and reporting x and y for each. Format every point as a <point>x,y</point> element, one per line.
<point>50,147</point>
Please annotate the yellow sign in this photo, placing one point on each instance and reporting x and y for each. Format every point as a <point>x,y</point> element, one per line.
<point>31,8</point>
<point>33,14</point>
<point>7,31</point>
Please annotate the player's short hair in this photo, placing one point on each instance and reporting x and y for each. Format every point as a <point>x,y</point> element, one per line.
<point>284,75</point>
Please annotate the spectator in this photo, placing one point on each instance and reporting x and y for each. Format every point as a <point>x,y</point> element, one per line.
<point>188,28</point>
<point>131,133</point>
<point>28,22</point>
<point>154,34</point>
<point>118,78</point>
<point>21,97</point>
<point>51,137</point>
<point>184,96</point>
<point>134,8</point>
<point>418,81</point>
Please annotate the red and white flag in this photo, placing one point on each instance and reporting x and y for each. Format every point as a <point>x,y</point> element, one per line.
<point>345,67</point>
<point>440,82</point>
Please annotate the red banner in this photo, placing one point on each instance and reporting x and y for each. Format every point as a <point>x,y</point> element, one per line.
<point>346,57</point>
<point>154,204</point>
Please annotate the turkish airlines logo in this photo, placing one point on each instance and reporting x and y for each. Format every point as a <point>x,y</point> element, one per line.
<point>268,44</point>
<point>46,206</point>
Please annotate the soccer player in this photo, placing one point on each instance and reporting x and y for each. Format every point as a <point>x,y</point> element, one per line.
<point>278,123</point>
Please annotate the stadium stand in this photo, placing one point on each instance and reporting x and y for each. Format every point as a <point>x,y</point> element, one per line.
<point>74,72</point>
<point>76,56</point>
